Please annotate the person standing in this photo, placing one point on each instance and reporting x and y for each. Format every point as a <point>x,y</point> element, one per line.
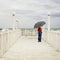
<point>39,34</point>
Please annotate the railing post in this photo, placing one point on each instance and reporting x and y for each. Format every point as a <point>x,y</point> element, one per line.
<point>14,21</point>
<point>48,21</point>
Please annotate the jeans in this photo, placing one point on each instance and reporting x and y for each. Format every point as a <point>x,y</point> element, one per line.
<point>39,36</point>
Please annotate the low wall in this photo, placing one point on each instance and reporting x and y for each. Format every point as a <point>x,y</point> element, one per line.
<point>7,38</point>
<point>53,38</point>
<point>29,32</point>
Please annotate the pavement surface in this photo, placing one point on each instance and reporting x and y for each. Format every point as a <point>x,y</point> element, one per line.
<point>28,48</point>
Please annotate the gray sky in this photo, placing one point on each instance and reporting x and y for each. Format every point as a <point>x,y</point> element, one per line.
<point>28,12</point>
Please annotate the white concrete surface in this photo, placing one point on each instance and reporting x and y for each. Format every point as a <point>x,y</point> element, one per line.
<point>7,39</point>
<point>52,37</point>
<point>28,48</point>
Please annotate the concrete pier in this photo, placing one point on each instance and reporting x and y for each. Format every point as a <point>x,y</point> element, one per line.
<point>25,46</point>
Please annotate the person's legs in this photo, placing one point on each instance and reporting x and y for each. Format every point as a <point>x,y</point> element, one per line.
<point>39,36</point>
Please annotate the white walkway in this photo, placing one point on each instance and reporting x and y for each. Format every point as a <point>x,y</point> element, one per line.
<point>27,48</point>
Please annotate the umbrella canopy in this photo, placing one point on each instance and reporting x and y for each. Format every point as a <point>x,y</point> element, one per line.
<point>38,24</point>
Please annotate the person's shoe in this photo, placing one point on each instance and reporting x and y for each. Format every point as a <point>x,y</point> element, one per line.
<point>39,41</point>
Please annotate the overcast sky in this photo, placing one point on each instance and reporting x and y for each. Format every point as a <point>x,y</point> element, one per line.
<point>28,12</point>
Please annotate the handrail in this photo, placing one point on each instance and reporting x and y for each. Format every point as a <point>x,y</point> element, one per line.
<point>7,38</point>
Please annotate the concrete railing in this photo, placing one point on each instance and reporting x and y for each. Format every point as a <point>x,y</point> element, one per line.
<point>29,32</point>
<point>7,38</point>
<point>53,38</point>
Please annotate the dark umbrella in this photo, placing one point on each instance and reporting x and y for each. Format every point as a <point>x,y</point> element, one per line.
<point>38,24</point>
